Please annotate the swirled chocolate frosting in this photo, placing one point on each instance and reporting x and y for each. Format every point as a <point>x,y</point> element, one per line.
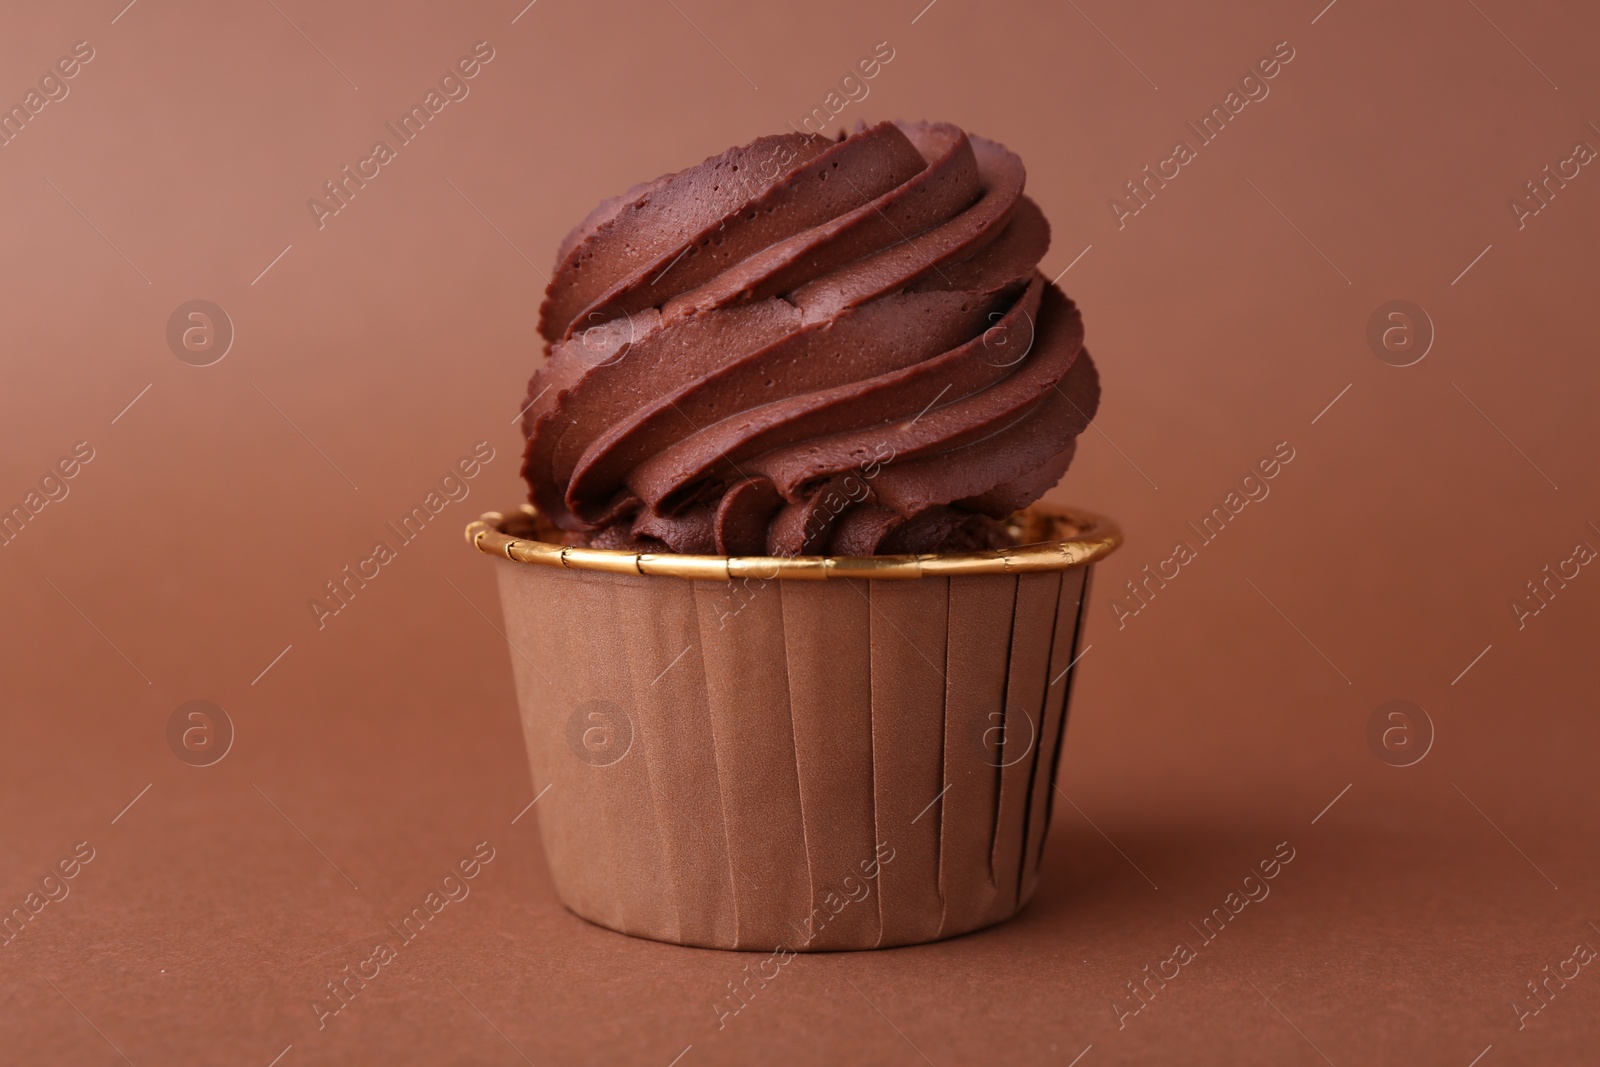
<point>808,345</point>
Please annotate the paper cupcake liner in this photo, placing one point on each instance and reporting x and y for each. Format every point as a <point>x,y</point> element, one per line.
<point>769,761</point>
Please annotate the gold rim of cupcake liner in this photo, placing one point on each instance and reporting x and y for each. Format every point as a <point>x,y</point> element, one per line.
<point>1056,538</point>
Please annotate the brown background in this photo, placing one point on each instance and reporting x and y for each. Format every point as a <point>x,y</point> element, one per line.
<point>378,349</point>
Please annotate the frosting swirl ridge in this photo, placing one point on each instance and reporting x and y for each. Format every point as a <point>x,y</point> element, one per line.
<point>806,345</point>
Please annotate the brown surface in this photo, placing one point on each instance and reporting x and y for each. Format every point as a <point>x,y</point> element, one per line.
<point>1204,732</point>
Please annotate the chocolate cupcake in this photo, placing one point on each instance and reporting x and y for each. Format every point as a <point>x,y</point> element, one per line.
<point>792,648</point>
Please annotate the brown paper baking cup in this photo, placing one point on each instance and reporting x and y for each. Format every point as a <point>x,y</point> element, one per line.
<point>732,753</point>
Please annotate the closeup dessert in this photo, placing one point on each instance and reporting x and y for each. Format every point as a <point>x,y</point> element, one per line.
<point>808,346</point>
<point>793,638</point>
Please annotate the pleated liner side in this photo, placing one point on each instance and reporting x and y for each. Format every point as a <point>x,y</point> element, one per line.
<point>827,637</point>
<point>634,837</point>
<point>817,765</point>
<point>1058,698</point>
